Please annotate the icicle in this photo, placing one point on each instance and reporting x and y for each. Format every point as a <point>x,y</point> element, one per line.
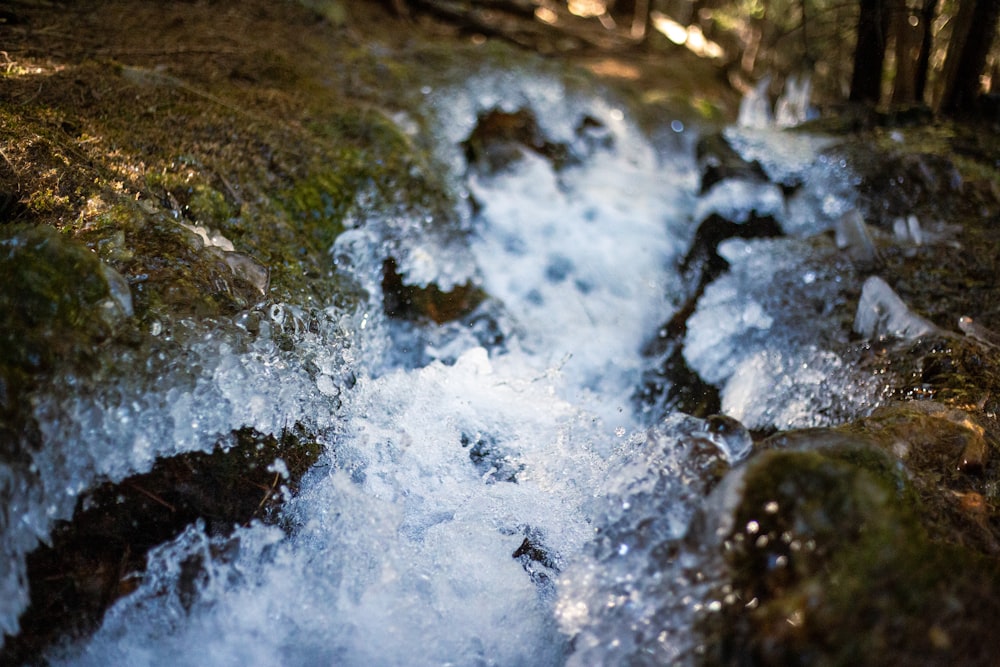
<point>852,234</point>
<point>882,313</point>
<point>755,109</point>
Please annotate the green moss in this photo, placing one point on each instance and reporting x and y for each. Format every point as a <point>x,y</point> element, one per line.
<point>830,566</point>
<point>55,297</point>
<point>60,306</point>
<point>47,201</point>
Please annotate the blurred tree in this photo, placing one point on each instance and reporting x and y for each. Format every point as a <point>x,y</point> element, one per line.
<point>906,35</point>
<point>632,14</point>
<point>971,39</point>
<point>927,13</point>
<point>869,51</point>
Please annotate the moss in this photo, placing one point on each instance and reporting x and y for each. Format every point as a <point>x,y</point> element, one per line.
<point>56,299</point>
<point>829,566</point>
<point>951,460</point>
<point>47,201</point>
<point>61,305</point>
<point>184,190</point>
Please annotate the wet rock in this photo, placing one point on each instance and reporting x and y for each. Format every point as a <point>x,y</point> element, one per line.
<point>947,454</point>
<point>491,459</point>
<point>906,178</point>
<point>100,555</point>
<point>703,264</point>
<point>61,303</point>
<point>499,137</point>
<point>411,302</point>
<point>718,161</point>
<point>829,562</point>
<point>536,559</point>
<point>673,385</point>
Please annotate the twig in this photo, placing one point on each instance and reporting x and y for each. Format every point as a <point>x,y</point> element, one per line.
<point>153,496</point>
<point>268,493</point>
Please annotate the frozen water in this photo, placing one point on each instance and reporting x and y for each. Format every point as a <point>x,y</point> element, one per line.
<point>790,109</point>
<point>793,105</point>
<point>769,333</point>
<point>185,390</point>
<point>755,107</point>
<point>633,596</point>
<point>583,261</point>
<point>822,187</point>
<point>735,200</point>
<point>853,236</point>
<point>882,313</point>
<point>401,535</point>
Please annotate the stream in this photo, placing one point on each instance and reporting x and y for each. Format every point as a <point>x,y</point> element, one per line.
<point>492,490</point>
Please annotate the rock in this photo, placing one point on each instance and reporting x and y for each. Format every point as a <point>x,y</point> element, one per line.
<point>718,161</point>
<point>411,302</point>
<point>829,562</point>
<point>60,304</point>
<point>100,555</point>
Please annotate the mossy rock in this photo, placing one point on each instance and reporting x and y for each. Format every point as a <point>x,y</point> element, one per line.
<point>828,562</point>
<point>61,303</point>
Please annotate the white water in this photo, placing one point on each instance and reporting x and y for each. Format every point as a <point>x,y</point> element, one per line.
<point>443,457</point>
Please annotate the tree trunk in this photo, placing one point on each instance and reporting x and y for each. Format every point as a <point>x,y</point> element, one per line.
<point>967,52</point>
<point>869,52</point>
<point>924,57</point>
<point>633,15</point>
<point>907,35</point>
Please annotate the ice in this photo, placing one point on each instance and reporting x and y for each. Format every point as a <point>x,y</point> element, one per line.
<point>908,230</point>
<point>209,237</point>
<point>402,537</point>
<point>823,186</point>
<point>882,313</point>
<point>793,105</point>
<point>853,236</point>
<point>458,479</point>
<point>186,389</point>
<point>755,107</point>
<point>768,333</point>
<point>584,262</point>
<point>807,387</point>
<point>791,108</point>
<point>736,199</point>
<point>628,600</point>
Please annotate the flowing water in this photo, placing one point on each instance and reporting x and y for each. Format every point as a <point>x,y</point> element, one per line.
<point>491,492</point>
